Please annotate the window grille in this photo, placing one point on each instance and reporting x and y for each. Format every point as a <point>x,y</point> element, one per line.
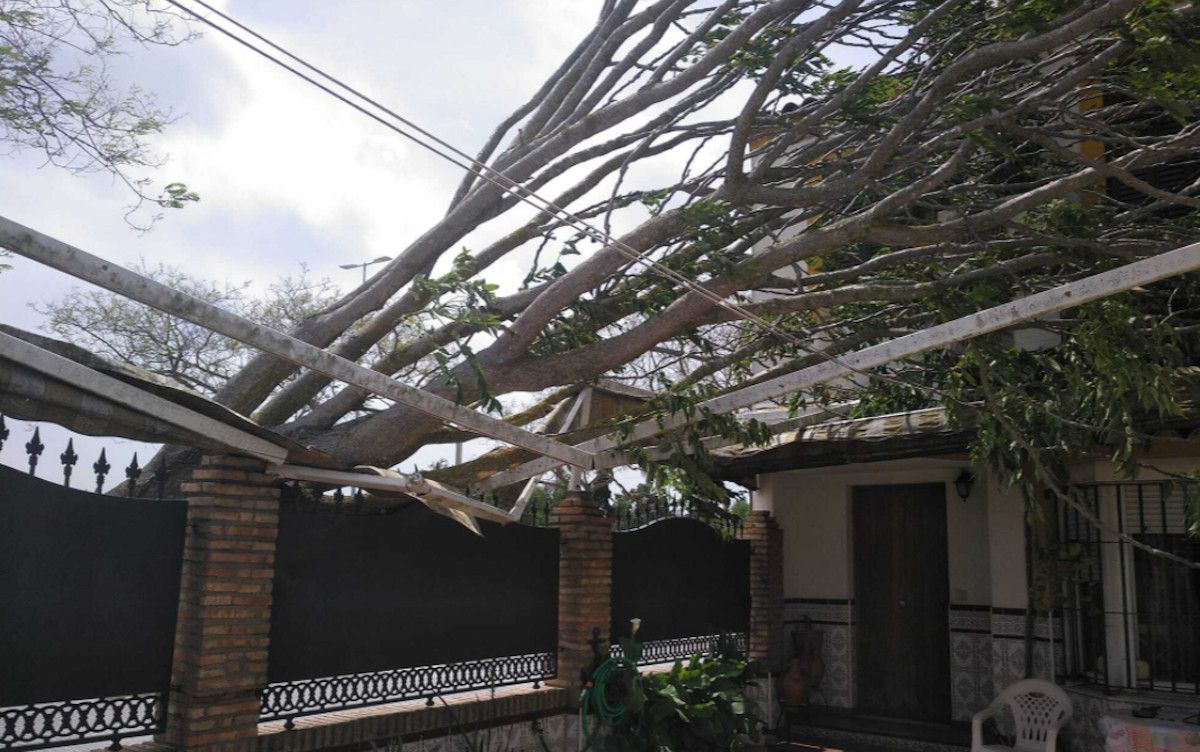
<point>1132,618</point>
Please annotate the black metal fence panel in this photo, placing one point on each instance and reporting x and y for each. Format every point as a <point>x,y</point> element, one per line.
<point>683,579</point>
<point>359,594</point>
<point>90,587</point>
<point>90,591</point>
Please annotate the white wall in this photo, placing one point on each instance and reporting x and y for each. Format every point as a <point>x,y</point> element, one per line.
<point>813,508</point>
<point>1006,541</point>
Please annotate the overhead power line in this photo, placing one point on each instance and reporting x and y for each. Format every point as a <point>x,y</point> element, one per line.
<point>422,137</point>
<point>461,159</point>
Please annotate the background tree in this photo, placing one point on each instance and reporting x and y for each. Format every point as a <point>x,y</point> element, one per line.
<point>116,328</point>
<point>847,171</point>
<point>57,96</point>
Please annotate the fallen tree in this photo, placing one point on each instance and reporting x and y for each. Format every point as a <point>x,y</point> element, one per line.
<point>848,172</point>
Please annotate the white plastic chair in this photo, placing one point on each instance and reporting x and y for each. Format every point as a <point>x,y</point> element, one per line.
<point>1039,710</point>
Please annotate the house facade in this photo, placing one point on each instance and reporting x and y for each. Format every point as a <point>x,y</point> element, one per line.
<point>921,577</point>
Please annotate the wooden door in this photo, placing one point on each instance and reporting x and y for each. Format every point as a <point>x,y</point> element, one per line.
<point>901,592</point>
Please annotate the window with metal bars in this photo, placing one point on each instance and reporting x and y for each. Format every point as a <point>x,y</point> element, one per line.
<point>1132,618</point>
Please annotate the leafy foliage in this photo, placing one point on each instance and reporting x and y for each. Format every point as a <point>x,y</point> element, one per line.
<point>58,98</point>
<point>117,328</point>
<point>697,706</point>
<point>1115,374</point>
<point>968,153</point>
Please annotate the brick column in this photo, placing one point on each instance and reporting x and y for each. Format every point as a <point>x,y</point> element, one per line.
<point>584,586</point>
<point>224,606</point>
<point>767,647</point>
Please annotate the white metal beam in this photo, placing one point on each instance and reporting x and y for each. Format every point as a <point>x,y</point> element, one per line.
<point>103,385</point>
<point>1069,295</point>
<point>427,491</point>
<point>526,494</point>
<point>610,457</point>
<point>66,258</point>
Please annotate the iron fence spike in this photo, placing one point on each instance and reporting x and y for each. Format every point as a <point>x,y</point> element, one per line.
<point>101,468</point>
<point>132,473</point>
<point>34,448</point>
<point>68,459</point>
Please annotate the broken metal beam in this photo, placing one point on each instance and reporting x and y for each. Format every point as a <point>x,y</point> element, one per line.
<point>78,263</point>
<point>80,376</point>
<point>1069,295</point>
<point>421,488</point>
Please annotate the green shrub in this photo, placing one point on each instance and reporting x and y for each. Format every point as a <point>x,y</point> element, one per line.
<point>700,706</point>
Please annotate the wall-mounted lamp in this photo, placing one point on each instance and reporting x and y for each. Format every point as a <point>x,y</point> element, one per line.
<point>963,483</point>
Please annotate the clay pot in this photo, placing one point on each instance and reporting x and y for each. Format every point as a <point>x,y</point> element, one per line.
<point>793,686</point>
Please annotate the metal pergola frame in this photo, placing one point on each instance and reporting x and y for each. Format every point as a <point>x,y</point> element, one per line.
<point>597,454</point>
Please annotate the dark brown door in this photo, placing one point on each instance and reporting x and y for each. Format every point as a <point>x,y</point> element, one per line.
<point>901,596</point>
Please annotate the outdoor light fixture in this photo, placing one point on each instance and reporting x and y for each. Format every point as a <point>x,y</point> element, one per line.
<point>365,264</point>
<point>963,483</point>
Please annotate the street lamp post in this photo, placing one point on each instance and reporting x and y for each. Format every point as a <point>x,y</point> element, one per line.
<point>365,264</point>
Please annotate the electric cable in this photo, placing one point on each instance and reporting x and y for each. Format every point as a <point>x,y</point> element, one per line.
<point>491,175</point>
<point>502,181</point>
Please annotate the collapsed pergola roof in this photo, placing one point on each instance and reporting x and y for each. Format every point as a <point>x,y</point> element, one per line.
<point>239,434</point>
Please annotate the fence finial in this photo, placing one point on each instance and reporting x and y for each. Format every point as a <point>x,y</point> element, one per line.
<point>68,459</point>
<point>133,472</point>
<point>34,447</point>
<point>101,468</point>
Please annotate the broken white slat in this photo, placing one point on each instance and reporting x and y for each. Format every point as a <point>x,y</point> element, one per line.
<point>607,457</point>
<point>778,424</point>
<point>518,508</point>
<point>103,385</point>
<point>422,488</point>
<point>584,418</point>
<point>66,258</point>
<point>1069,295</point>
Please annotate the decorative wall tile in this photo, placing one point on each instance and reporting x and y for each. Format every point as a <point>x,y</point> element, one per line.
<point>965,618</point>
<point>970,674</point>
<point>970,660</point>
<point>1008,647</point>
<point>1008,623</point>
<point>1008,661</point>
<point>834,618</point>
<point>819,610</point>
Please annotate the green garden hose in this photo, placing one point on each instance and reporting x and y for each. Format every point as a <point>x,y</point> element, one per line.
<point>594,698</point>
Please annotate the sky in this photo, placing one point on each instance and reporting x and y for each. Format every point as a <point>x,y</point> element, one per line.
<point>287,175</point>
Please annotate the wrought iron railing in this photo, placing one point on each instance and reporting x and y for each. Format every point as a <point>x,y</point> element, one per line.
<point>649,512</point>
<point>683,648</point>
<point>633,516</point>
<point>292,699</point>
<point>52,724</point>
<point>1132,618</point>
<point>112,718</point>
<point>101,468</point>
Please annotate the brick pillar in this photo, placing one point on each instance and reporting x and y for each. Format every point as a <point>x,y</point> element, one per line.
<point>224,606</point>
<point>584,586</point>
<point>767,647</point>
